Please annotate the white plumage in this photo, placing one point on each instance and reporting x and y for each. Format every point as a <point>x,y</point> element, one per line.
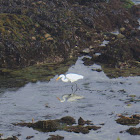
<point>72,77</point>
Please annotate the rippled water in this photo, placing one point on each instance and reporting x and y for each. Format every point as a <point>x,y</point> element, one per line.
<point>104,99</point>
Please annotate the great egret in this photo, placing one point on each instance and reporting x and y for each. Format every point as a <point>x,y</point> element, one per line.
<point>71,77</point>
<point>70,97</point>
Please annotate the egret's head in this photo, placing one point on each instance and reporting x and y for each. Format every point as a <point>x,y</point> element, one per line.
<point>60,76</point>
<point>58,98</point>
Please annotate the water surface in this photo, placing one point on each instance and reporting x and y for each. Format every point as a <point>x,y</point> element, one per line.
<point>104,99</point>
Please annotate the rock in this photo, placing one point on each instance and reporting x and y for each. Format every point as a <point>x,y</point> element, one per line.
<point>98,70</point>
<point>49,39</point>
<point>127,121</point>
<point>81,121</point>
<point>77,129</point>
<point>93,127</point>
<point>57,137</point>
<point>11,138</point>
<point>48,126</point>
<point>52,29</point>
<point>81,129</point>
<point>86,51</point>
<point>47,35</point>
<point>133,131</point>
<point>64,123</point>
<point>122,29</point>
<point>33,38</point>
<point>121,53</point>
<point>120,36</point>
<point>68,120</point>
<point>29,137</point>
<point>88,61</point>
<point>137,116</point>
<point>136,10</point>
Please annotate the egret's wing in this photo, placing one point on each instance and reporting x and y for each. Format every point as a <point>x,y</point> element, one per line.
<point>74,77</point>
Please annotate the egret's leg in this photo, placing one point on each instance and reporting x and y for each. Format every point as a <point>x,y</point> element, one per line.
<point>77,88</point>
<point>72,88</point>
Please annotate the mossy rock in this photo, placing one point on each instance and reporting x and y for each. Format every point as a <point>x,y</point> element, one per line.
<point>57,137</point>
<point>59,124</point>
<point>133,131</point>
<point>42,72</point>
<point>15,27</point>
<point>127,121</point>
<point>47,126</point>
<point>68,120</point>
<point>127,3</point>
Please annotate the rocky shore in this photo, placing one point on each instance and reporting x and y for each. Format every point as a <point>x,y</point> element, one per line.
<point>34,32</point>
<point>68,124</point>
<point>39,39</point>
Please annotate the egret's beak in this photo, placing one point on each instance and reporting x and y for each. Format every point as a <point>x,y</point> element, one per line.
<point>58,78</point>
<point>58,98</point>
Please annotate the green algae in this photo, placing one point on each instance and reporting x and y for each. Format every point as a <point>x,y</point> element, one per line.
<point>58,124</point>
<point>117,72</point>
<point>127,3</point>
<point>14,26</point>
<point>40,72</point>
<point>23,42</point>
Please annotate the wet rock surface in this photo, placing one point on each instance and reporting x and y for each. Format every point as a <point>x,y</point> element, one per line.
<point>57,137</point>
<point>65,123</point>
<point>136,116</point>
<point>67,120</point>
<point>83,122</point>
<point>29,137</point>
<point>38,31</point>
<point>134,131</point>
<point>128,121</point>
<point>122,53</point>
<point>11,138</point>
<point>132,120</point>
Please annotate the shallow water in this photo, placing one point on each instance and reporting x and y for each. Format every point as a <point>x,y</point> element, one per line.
<point>104,99</point>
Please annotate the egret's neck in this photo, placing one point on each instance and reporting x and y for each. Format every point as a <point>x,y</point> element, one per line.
<point>63,100</point>
<point>64,79</point>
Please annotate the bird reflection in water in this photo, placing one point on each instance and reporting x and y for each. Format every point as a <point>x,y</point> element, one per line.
<point>70,97</point>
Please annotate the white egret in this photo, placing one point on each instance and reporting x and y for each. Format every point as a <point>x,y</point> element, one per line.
<point>71,77</point>
<point>70,97</point>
